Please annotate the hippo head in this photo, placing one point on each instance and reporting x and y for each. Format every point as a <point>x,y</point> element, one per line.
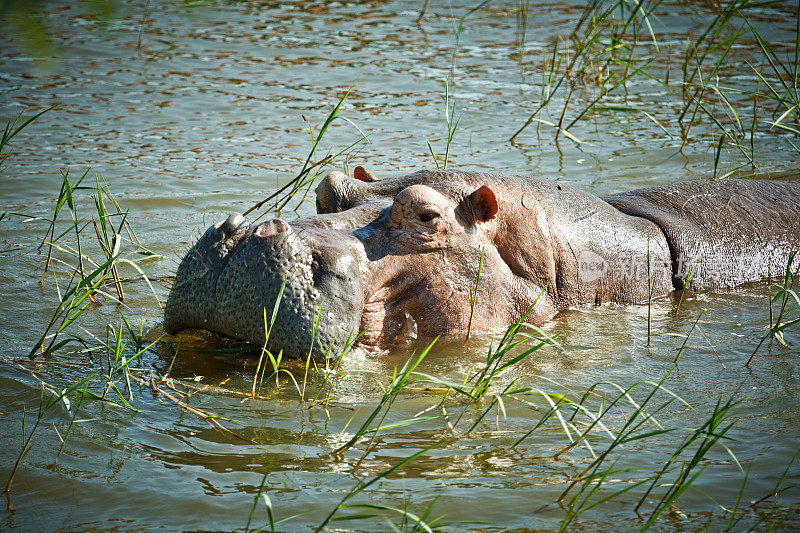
<point>383,261</point>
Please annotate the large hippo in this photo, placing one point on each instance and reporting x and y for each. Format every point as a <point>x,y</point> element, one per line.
<point>389,260</point>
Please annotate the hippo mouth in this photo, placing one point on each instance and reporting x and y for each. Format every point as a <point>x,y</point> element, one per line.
<point>237,274</point>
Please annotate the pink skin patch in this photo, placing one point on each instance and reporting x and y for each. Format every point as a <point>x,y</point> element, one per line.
<point>273,227</point>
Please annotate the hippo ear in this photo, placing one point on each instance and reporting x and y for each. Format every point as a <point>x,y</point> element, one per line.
<point>362,174</point>
<point>483,204</point>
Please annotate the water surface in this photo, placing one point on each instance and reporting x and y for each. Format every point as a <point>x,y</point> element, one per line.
<point>209,115</point>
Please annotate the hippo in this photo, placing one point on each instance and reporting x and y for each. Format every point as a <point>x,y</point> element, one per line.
<point>440,252</point>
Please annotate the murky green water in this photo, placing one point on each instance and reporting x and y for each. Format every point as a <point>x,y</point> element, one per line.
<point>207,118</point>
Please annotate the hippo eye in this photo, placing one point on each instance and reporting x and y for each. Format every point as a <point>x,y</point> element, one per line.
<point>427,217</point>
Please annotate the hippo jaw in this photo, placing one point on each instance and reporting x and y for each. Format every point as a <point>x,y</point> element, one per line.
<point>232,278</point>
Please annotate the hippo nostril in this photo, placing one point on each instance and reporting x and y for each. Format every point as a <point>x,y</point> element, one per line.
<point>273,227</point>
<point>231,224</point>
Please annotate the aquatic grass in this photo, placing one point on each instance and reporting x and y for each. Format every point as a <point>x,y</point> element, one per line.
<point>735,507</point>
<point>81,390</point>
<point>601,41</point>
<point>725,133</point>
<point>781,92</point>
<point>705,437</point>
<point>601,420</point>
<point>604,92</point>
<point>603,55</point>
<point>596,484</point>
<point>475,386</point>
<point>422,12</point>
<point>549,69</point>
<point>44,407</point>
<point>589,482</point>
<point>522,13</point>
<point>555,403</point>
<point>458,28</point>
<point>108,237</point>
<point>636,427</point>
<point>72,303</point>
<point>451,125</point>
<point>779,488</point>
<point>267,504</point>
<point>13,127</point>
<point>364,485</point>
<point>638,419</point>
<point>63,439</point>
<point>120,363</point>
<point>787,297</point>
<point>65,196</point>
<point>689,334</point>
<point>550,88</point>
<point>310,171</point>
<point>584,491</point>
<point>709,41</point>
<point>136,336</point>
<point>478,384</point>
<point>331,372</point>
<point>409,522</point>
<point>275,361</point>
<point>473,292</point>
<point>82,289</point>
<point>707,91</point>
<point>496,362</point>
<point>89,276</point>
<point>261,494</point>
<point>400,379</point>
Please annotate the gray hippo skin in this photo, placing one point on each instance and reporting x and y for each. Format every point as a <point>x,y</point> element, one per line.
<point>395,259</point>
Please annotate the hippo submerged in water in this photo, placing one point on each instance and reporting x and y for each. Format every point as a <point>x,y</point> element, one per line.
<point>399,258</point>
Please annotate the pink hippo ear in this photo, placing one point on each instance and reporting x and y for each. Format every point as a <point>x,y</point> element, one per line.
<point>362,174</point>
<point>483,203</point>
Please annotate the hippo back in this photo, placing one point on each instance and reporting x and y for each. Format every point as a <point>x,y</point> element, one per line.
<point>721,232</point>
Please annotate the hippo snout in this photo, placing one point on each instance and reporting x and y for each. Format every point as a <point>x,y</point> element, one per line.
<point>232,278</point>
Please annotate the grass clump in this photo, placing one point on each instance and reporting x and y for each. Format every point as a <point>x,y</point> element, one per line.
<point>313,167</point>
<point>89,276</point>
<point>602,428</point>
<point>789,306</point>
<point>88,251</point>
<point>618,51</point>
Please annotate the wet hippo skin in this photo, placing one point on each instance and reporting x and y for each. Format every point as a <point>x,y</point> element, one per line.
<point>391,259</point>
